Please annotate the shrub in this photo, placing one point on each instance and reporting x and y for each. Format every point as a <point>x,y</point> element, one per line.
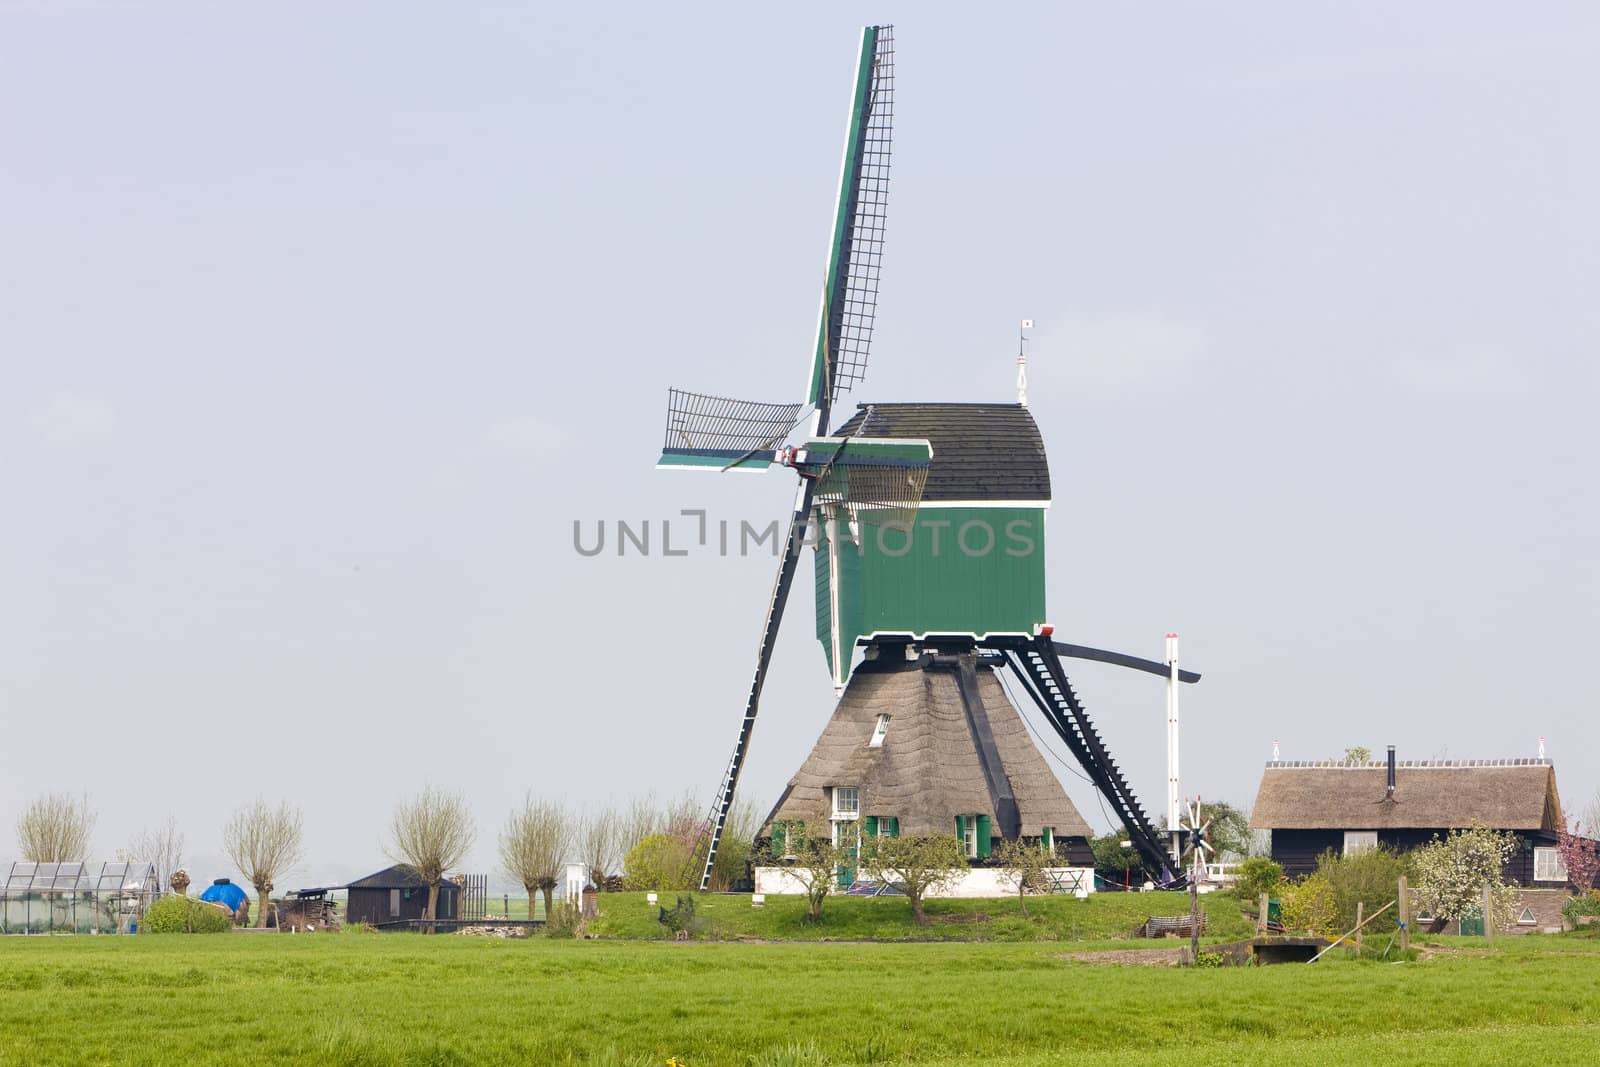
<point>1257,875</point>
<point>659,861</point>
<point>1309,907</point>
<point>182,915</point>
<point>1584,904</point>
<point>1370,878</point>
<point>563,921</point>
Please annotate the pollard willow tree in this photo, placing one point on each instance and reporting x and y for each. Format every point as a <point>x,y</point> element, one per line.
<point>263,843</point>
<point>534,846</point>
<point>1454,871</point>
<point>55,828</point>
<point>430,834</point>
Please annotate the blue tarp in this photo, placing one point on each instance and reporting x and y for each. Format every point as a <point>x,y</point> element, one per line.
<point>225,893</point>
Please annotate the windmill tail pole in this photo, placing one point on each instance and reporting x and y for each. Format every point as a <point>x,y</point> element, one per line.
<point>1347,933</point>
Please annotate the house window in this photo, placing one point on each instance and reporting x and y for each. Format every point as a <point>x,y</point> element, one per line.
<point>879,732</point>
<point>1527,918</point>
<point>883,826</point>
<point>969,834</point>
<point>394,903</point>
<point>846,801</point>
<point>1360,841</point>
<point>1547,866</point>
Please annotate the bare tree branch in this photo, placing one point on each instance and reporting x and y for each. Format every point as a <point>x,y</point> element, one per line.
<point>55,828</point>
<point>263,843</point>
<point>162,847</point>
<point>534,847</point>
<point>431,834</point>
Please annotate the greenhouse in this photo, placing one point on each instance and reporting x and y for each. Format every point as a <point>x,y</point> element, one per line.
<point>75,898</point>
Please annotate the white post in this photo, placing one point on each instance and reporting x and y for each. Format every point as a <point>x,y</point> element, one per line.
<point>1022,362</point>
<point>1172,742</point>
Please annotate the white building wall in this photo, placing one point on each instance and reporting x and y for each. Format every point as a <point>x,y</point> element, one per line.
<point>976,882</point>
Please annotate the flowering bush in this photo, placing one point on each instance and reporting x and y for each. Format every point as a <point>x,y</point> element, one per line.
<point>1453,872</point>
<point>1580,855</point>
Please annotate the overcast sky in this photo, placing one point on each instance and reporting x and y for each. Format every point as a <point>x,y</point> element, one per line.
<point>319,328</point>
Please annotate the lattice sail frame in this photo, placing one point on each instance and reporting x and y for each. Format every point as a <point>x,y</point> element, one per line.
<point>856,311</point>
<point>716,432</point>
<point>877,480</point>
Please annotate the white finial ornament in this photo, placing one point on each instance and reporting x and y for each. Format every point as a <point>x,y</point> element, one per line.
<point>1275,756</point>
<point>1022,362</point>
<point>1541,746</point>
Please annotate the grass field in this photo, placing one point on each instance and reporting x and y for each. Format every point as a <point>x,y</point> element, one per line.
<point>411,999</point>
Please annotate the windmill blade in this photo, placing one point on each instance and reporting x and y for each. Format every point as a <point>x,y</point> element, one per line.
<point>855,254</point>
<point>718,433</point>
<point>769,634</point>
<point>879,479</point>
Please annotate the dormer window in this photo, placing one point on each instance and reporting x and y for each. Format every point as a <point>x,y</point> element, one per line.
<point>879,732</point>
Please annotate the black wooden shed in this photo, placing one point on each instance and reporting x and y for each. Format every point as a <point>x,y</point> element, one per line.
<point>396,894</point>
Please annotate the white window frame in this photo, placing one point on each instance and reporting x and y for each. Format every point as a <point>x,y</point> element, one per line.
<point>1549,860</point>
<point>1526,917</point>
<point>969,835</point>
<point>879,732</point>
<point>841,792</point>
<point>1356,841</point>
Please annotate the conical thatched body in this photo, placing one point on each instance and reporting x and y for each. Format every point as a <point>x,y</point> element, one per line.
<point>942,757</point>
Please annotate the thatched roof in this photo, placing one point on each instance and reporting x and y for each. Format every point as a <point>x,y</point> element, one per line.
<point>980,451</point>
<point>928,769</point>
<point>1434,795</point>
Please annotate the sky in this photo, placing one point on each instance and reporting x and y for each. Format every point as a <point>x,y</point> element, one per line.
<point>321,327</point>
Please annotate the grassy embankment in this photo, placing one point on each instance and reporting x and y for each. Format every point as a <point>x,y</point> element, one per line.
<point>1101,917</point>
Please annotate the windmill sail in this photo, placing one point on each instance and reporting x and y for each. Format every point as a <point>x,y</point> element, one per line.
<point>879,480</point>
<point>855,255</point>
<point>715,432</point>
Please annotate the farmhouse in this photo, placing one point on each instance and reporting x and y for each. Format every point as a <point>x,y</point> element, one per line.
<point>1313,807</point>
<point>396,894</point>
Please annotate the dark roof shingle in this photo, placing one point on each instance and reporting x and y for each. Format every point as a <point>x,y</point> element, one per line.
<point>980,451</point>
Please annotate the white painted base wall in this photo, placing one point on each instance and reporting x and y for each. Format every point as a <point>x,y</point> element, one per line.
<point>976,882</point>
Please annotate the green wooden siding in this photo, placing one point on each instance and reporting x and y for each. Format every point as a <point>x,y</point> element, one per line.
<point>949,577</point>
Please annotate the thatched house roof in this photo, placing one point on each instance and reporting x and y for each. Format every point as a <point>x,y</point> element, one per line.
<point>1430,795</point>
<point>928,769</point>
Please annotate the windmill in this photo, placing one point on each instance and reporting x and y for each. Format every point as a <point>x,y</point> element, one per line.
<point>882,585</point>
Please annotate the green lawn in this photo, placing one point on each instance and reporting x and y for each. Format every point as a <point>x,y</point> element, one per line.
<point>412,999</point>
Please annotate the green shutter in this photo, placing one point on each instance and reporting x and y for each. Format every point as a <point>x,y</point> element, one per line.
<point>961,828</point>
<point>872,826</point>
<point>1047,838</point>
<point>894,826</point>
<point>777,840</point>
<point>983,837</point>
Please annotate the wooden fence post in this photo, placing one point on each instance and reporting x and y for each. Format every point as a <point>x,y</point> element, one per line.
<point>1261,917</point>
<point>1360,908</point>
<point>1488,914</point>
<point>1405,914</point>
